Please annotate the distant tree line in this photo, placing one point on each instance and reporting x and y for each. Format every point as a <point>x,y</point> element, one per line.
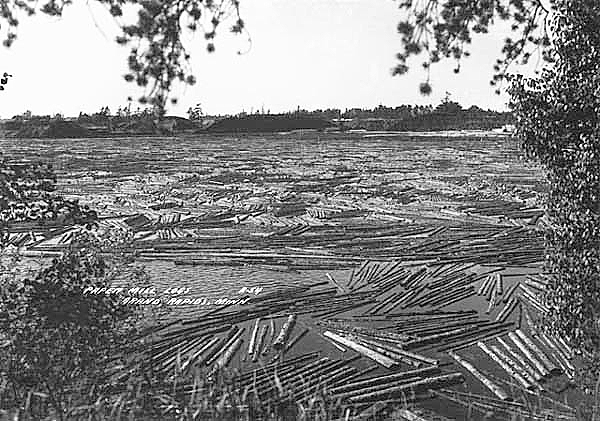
<point>448,115</point>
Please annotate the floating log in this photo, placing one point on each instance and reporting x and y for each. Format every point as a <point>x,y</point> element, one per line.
<point>260,344</point>
<point>416,387</point>
<point>526,371</point>
<point>499,285</point>
<point>196,358</point>
<point>464,294</point>
<point>565,364</point>
<point>296,340</point>
<point>549,365</point>
<point>334,282</point>
<point>266,369</point>
<point>493,387</point>
<point>484,285</point>
<point>431,339</point>
<point>224,360</point>
<point>269,342</point>
<point>251,345</point>
<point>507,310</point>
<point>231,337</point>
<point>491,289</point>
<point>541,371</point>
<point>409,415</point>
<point>375,356</point>
<point>285,332</point>
<point>503,361</point>
<point>388,351</point>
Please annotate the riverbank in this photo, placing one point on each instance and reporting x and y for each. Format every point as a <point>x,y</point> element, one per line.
<point>114,126</point>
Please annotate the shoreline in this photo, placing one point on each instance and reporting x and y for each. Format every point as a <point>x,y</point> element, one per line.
<point>352,133</point>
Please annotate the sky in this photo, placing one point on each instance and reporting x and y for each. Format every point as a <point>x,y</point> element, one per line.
<point>307,53</point>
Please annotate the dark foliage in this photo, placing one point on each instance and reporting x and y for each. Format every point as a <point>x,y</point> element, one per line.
<point>58,338</point>
<point>444,29</point>
<point>267,123</point>
<point>557,118</point>
<point>4,80</point>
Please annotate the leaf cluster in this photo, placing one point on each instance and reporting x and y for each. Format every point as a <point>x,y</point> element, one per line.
<point>442,29</point>
<point>557,123</point>
<point>158,57</point>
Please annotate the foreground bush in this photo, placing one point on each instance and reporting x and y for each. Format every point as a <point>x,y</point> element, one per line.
<point>56,336</point>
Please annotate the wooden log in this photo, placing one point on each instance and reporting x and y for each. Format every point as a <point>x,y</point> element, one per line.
<point>567,349</point>
<point>409,415</point>
<point>380,305</point>
<point>325,380</point>
<point>260,344</point>
<point>284,333</point>
<point>409,301</point>
<point>525,370</point>
<point>345,395</point>
<point>532,375</point>
<point>181,348</point>
<point>336,283</point>
<point>357,375</point>
<point>565,364</point>
<point>432,314</point>
<point>531,282</point>
<point>298,361</point>
<point>390,273</point>
<point>387,350</point>
<point>251,345</point>
<point>484,285</point>
<point>491,288</point>
<point>371,272</point>
<point>484,335</point>
<point>493,387</point>
<point>549,365</point>
<point>433,292</point>
<point>507,310</point>
<point>231,337</point>
<point>503,361</point>
<point>224,360</point>
<point>532,298</point>
<point>435,338</point>
<point>375,356</point>
<point>499,285</point>
<point>196,358</point>
<point>413,356</point>
<point>351,280</point>
<point>541,371</point>
<point>283,368</point>
<point>298,378</point>
<point>444,325</point>
<point>416,387</point>
<point>455,297</point>
<point>269,342</point>
<point>403,298</point>
<point>466,294</point>
<point>359,274</point>
<point>366,332</point>
<point>296,340</point>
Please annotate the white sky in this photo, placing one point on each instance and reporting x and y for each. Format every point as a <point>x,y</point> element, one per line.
<point>311,53</point>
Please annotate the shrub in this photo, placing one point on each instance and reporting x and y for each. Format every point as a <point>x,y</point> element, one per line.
<point>58,338</point>
<point>557,122</point>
